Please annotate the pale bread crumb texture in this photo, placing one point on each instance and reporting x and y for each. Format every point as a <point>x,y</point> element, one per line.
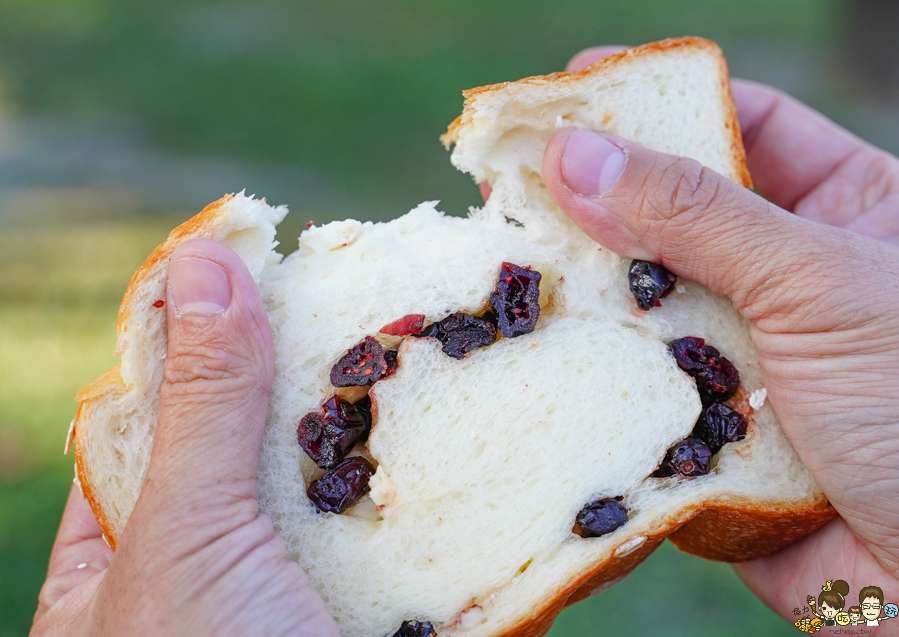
<point>482,463</point>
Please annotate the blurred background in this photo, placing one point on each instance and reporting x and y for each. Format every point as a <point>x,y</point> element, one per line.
<point>119,120</point>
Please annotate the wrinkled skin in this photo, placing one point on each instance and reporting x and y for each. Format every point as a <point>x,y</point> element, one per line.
<point>814,270</point>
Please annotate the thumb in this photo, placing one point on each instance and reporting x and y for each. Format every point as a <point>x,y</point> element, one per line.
<point>697,223</point>
<point>218,375</point>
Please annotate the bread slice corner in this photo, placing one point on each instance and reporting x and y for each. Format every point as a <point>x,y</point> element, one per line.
<point>659,61</point>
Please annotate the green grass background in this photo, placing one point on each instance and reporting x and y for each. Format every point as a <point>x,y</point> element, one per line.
<point>332,107</point>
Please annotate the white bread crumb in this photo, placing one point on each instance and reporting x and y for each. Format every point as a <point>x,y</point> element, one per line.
<point>757,398</point>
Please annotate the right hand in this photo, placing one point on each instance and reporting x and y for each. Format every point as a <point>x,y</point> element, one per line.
<point>815,268</point>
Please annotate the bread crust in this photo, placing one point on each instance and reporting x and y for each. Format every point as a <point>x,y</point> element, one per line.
<point>733,533</point>
<point>721,532</point>
<point>85,478</point>
<point>737,151</point>
<point>729,531</point>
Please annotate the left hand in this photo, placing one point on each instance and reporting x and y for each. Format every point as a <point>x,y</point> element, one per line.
<point>196,557</point>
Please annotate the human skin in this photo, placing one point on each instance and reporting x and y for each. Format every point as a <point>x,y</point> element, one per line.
<point>814,270</point>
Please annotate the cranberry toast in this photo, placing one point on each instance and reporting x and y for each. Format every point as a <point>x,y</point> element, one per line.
<point>477,421</point>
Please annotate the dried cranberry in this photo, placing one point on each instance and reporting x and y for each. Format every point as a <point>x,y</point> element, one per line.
<point>406,326</point>
<point>158,304</point>
<point>341,487</point>
<point>415,629</point>
<point>600,517</point>
<point>716,377</point>
<point>719,425</point>
<point>516,300</point>
<point>460,333</point>
<point>689,457</point>
<point>649,282</point>
<point>362,365</point>
<point>328,437</point>
<point>391,356</point>
<point>363,407</point>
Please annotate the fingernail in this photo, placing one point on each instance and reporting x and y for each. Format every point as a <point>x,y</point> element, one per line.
<point>199,286</point>
<point>591,164</point>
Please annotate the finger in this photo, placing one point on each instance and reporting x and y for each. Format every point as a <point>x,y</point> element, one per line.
<point>785,579</point>
<point>78,553</point>
<point>701,225</point>
<point>585,58</point>
<point>805,163</point>
<point>218,374</point>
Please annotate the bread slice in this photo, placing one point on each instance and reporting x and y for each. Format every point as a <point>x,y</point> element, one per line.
<point>484,462</point>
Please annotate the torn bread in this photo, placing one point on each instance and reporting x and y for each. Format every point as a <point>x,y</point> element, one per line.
<point>484,462</point>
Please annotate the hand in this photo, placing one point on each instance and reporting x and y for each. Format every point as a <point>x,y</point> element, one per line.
<point>816,271</point>
<point>196,557</point>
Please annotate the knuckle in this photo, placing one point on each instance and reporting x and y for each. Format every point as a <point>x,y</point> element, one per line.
<point>881,175</point>
<point>202,362</point>
<point>205,369</point>
<point>683,195</point>
<point>45,599</point>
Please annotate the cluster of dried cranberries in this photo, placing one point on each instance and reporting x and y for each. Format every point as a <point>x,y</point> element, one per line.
<point>716,380</point>
<point>329,436</point>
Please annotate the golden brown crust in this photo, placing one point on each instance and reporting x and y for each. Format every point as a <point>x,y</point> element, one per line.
<point>737,150</point>
<point>738,153</point>
<point>84,478</point>
<point>539,623</point>
<point>737,534</point>
<point>110,382</point>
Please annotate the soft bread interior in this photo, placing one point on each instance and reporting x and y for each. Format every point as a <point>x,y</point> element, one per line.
<point>482,462</point>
